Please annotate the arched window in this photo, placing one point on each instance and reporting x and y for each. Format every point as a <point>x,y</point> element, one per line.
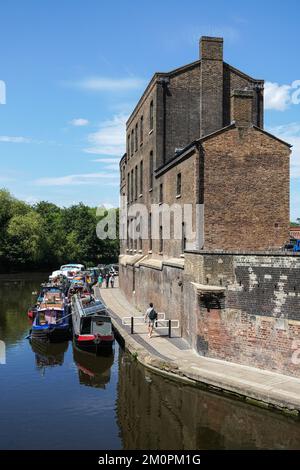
<point>142,130</point>
<point>183,238</point>
<point>132,142</point>
<point>128,188</point>
<point>150,231</point>
<point>151,116</point>
<point>161,193</point>
<point>161,241</point>
<point>136,137</point>
<point>141,176</point>
<point>136,183</point>
<point>178,184</point>
<point>151,170</point>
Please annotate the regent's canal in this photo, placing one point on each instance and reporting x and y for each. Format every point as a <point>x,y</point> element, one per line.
<point>54,397</point>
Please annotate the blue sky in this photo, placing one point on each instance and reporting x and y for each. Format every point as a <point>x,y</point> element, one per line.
<point>74,70</point>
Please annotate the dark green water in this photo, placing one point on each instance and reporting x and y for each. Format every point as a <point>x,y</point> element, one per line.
<point>56,397</point>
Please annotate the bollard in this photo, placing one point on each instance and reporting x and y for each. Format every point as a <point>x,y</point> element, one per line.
<point>132,325</point>
<point>170,328</point>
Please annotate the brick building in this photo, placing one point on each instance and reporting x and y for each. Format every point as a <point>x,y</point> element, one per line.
<point>196,138</point>
<point>295,232</point>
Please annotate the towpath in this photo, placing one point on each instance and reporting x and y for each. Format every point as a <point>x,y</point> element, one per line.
<point>174,357</point>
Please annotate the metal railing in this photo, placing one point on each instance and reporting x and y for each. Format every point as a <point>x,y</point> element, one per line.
<point>160,323</point>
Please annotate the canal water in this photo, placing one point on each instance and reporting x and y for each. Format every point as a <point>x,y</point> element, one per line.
<point>56,397</point>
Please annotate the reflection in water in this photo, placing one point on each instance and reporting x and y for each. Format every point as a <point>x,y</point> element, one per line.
<point>48,354</point>
<point>93,371</point>
<point>113,402</point>
<point>15,298</point>
<point>155,413</point>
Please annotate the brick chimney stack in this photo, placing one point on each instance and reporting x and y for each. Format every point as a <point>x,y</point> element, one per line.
<point>242,107</point>
<point>211,48</point>
<point>211,85</point>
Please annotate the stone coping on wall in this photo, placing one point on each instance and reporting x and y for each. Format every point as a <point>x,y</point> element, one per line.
<point>152,263</point>
<point>243,253</point>
<point>159,263</point>
<point>130,259</point>
<point>202,288</point>
<point>174,262</point>
<point>155,263</point>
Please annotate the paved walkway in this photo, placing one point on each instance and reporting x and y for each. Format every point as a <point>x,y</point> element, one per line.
<point>175,357</point>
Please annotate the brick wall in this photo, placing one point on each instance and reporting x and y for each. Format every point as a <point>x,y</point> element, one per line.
<point>182,110</point>
<point>211,85</point>
<point>258,323</point>
<point>234,79</point>
<point>246,190</point>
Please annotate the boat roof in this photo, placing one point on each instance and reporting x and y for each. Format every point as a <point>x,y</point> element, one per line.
<point>53,290</point>
<point>44,306</point>
<point>94,309</point>
<point>70,266</point>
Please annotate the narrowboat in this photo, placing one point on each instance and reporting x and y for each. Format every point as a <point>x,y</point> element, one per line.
<point>46,287</point>
<point>52,288</point>
<point>92,326</point>
<point>52,319</point>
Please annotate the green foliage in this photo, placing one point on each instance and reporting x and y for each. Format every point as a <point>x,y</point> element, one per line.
<point>45,236</point>
<point>295,224</point>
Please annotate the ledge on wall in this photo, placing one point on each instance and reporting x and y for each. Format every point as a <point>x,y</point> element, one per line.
<point>159,263</point>
<point>174,262</point>
<point>152,263</point>
<point>130,259</point>
<point>207,288</point>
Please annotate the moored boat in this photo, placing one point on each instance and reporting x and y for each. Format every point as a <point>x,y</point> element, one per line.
<point>52,319</point>
<point>92,327</point>
<point>32,311</point>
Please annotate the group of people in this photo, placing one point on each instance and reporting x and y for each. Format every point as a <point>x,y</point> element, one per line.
<point>108,279</point>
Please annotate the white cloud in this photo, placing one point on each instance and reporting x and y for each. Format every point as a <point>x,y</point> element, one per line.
<point>290,133</point>
<point>281,97</point>
<point>15,139</point>
<point>110,84</point>
<point>79,122</point>
<point>110,138</point>
<point>87,178</point>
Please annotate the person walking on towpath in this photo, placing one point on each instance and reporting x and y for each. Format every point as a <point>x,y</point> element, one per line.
<point>100,280</point>
<point>151,317</point>
<point>112,281</point>
<point>107,280</point>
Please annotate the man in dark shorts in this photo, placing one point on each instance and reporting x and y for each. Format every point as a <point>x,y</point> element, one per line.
<point>150,317</point>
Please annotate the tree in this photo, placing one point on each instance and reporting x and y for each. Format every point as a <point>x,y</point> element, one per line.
<point>44,236</point>
<point>25,239</point>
